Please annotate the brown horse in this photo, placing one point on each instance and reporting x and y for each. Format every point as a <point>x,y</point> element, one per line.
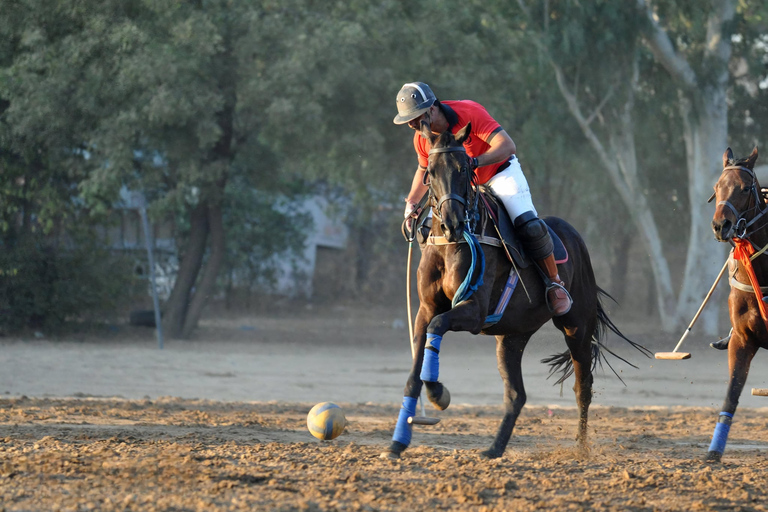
<point>460,284</point>
<point>740,219</point>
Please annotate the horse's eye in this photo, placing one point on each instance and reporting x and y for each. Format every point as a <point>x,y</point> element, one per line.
<point>463,168</point>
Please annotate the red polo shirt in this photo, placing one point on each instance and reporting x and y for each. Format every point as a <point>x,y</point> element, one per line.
<point>459,113</point>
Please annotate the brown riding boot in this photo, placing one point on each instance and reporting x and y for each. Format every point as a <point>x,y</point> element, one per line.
<point>558,299</point>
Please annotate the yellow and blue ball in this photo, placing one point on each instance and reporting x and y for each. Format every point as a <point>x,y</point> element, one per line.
<point>326,421</point>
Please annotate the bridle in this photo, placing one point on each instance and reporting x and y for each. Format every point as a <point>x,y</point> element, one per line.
<point>469,212</point>
<point>742,224</point>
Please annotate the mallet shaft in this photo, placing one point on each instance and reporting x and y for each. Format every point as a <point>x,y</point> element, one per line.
<point>410,314</point>
<point>760,391</point>
<point>701,308</point>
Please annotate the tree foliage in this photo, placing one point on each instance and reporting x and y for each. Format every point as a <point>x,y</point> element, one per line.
<point>198,103</point>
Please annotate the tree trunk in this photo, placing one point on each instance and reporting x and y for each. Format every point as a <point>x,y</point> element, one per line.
<point>620,250</point>
<point>704,110</point>
<point>621,164</point>
<point>705,135</point>
<point>175,310</point>
<point>220,158</point>
<point>207,285</point>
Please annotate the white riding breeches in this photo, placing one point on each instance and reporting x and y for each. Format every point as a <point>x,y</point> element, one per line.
<point>511,187</point>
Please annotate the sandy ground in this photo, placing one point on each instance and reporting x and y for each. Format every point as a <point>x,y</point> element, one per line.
<point>108,421</point>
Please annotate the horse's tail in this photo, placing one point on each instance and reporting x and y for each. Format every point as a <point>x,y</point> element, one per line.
<point>562,362</point>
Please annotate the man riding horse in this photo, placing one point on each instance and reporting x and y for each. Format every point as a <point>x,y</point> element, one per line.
<point>493,161</point>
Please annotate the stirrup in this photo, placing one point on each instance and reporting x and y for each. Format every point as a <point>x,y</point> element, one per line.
<point>722,343</point>
<point>553,286</point>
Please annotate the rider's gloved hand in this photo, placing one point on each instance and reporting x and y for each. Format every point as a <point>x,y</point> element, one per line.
<point>412,212</point>
<point>473,163</point>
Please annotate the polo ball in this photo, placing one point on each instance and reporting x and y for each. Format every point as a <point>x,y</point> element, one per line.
<point>326,421</point>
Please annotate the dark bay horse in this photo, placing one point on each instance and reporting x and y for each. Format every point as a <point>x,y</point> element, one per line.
<point>740,218</point>
<point>460,284</point>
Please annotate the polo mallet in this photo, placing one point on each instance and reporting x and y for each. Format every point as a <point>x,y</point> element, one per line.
<point>686,355</point>
<point>423,419</point>
<point>760,391</point>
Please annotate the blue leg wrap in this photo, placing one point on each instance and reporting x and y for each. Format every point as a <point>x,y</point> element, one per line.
<point>403,430</point>
<point>720,437</point>
<point>430,368</point>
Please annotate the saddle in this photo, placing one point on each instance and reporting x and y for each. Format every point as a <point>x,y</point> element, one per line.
<point>495,228</point>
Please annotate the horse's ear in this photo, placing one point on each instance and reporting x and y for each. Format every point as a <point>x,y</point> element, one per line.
<point>727,157</point>
<point>462,134</point>
<point>752,158</point>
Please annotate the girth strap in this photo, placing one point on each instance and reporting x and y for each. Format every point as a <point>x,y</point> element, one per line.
<point>441,240</point>
<point>745,287</point>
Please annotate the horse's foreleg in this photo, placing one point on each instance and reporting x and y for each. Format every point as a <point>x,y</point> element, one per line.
<point>740,354</point>
<point>509,355</point>
<point>466,316</point>
<point>403,430</point>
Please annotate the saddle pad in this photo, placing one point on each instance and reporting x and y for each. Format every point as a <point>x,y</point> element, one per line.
<point>561,253</point>
<point>507,231</point>
<point>488,235</point>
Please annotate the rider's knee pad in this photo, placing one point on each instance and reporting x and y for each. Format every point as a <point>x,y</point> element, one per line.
<point>534,236</point>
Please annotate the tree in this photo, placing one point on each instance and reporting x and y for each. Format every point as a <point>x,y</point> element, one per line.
<point>573,37</point>
<point>697,61</point>
<point>178,100</point>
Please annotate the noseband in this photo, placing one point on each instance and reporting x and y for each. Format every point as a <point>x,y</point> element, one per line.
<point>468,212</point>
<point>741,223</point>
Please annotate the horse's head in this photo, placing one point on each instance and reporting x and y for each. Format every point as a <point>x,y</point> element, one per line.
<point>738,197</point>
<point>450,179</point>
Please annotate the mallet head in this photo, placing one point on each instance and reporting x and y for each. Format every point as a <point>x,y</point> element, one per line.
<point>423,420</point>
<point>673,355</point>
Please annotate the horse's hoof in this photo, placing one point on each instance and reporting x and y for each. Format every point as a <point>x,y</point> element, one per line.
<point>389,455</point>
<point>394,451</point>
<point>444,401</point>
<point>491,454</point>
<point>713,457</point>
<point>439,395</point>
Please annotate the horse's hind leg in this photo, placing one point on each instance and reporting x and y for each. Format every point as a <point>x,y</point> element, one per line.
<point>509,354</point>
<point>740,354</point>
<point>578,337</point>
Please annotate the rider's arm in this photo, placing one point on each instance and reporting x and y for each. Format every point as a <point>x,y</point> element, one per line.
<point>418,189</point>
<point>502,148</point>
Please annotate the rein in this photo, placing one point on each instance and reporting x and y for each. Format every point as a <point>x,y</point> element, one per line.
<point>467,287</point>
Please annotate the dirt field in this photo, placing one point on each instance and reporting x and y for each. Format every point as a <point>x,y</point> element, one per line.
<point>199,455</point>
<point>82,428</point>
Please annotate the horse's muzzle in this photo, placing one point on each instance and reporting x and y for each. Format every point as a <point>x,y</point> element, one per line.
<point>723,229</point>
<point>452,234</point>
